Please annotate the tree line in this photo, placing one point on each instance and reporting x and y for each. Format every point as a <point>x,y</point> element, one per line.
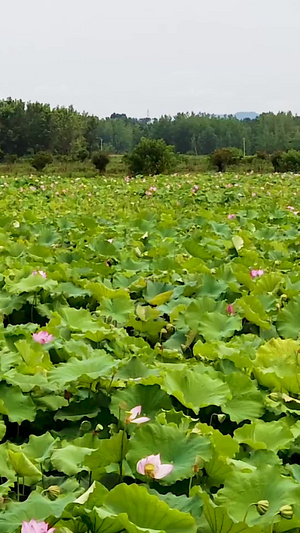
<point>27,128</point>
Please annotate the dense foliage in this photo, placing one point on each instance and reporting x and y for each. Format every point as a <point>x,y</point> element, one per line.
<point>176,294</point>
<point>32,127</point>
<point>41,159</point>
<point>224,157</point>
<point>151,157</point>
<point>100,160</point>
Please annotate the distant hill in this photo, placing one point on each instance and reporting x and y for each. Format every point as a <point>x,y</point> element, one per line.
<point>244,114</point>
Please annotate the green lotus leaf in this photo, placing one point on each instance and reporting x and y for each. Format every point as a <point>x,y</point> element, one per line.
<point>17,406</point>
<point>150,397</point>
<point>220,522</point>
<point>223,444</point>
<point>86,371</point>
<point>34,357</point>
<point>39,447</point>
<point>75,411</point>
<point>273,436</point>
<point>195,390</point>
<point>2,429</point>
<point>23,466</point>
<point>176,448</point>
<point>192,505</point>
<point>265,483</point>
<point>146,312</point>
<point>9,303</point>
<point>237,242</point>
<point>254,311</point>
<point>288,320</point>
<point>246,402</point>
<point>212,287</point>
<point>109,451</point>
<point>217,326</point>
<point>33,284</point>
<point>133,508</point>
<point>70,459</point>
<point>35,507</point>
<point>276,365</point>
<point>118,309</point>
<point>158,293</point>
<point>78,319</point>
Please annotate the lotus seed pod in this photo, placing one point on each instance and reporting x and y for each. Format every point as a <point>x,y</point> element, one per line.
<point>169,327</point>
<point>262,506</point>
<point>221,418</point>
<point>123,406</point>
<point>85,426</point>
<point>275,396</point>
<point>54,491</point>
<point>286,511</point>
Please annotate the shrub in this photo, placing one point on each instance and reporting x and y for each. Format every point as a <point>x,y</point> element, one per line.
<point>223,157</point>
<point>41,159</point>
<point>291,161</point>
<point>10,158</point>
<point>100,160</point>
<point>277,161</point>
<point>151,157</point>
<point>261,154</point>
<point>286,161</point>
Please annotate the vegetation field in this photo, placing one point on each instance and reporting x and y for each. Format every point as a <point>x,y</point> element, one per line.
<point>150,354</point>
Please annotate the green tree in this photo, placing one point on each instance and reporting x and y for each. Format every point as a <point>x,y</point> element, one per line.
<point>151,157</point>
<point>224,157</point>
<point>100,160</point>
<point>41,159</point>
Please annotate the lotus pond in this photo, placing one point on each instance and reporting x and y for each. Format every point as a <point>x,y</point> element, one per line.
<point>150,354</point>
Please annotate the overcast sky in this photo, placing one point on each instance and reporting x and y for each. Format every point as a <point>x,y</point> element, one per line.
<point>127,56</point>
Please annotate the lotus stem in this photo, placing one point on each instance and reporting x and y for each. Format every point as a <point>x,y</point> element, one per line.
<point>190,485</point>
<point>248,509</point>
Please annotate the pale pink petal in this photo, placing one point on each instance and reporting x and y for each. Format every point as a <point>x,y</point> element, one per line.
<point>140,467</point>
<point>42,337</point>
<point>135,411</point>
<point>154,460</point>
<point>140,420</point>
<point>163,471</point>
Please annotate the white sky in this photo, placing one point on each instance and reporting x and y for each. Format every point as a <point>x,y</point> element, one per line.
<point>105,56</point>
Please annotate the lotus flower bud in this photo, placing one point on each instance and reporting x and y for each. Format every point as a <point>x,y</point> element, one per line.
<point>262,506</point>
<point>221,418</point>
<point>286,511</point>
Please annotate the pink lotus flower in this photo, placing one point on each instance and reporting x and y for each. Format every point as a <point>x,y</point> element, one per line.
<point>230,309</point>
<point>32,188</point>
<point>40,272</point>
<point>36,527</point>
<point>256,273</point>
<point>132,416</point>
<point>152,467</point>
<point>43,187</point>
<point>231,217</point>
<point>42,337</point>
